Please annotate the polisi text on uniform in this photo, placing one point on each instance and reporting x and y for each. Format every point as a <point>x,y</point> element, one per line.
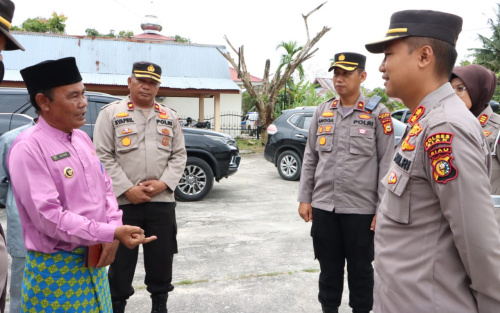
<point>124,120</point>
<point>403,162</point>
<point>165,122</point>
<point>363,122</point>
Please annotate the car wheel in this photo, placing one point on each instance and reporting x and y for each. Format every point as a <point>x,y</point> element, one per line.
<point>196,181</point>
<point>289,165</point>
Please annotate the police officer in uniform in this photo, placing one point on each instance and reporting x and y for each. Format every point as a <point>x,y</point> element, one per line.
<point>141,144</point>
<point>348,150</point>
<point>437,244</point>
<point>475,85</point>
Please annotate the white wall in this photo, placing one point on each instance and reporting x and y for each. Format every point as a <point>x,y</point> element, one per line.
<point>189,106</point>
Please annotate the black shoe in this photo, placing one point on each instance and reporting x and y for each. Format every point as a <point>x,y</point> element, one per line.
<point>329,310</point>
<point>119,306</point>
<point>159,303</point>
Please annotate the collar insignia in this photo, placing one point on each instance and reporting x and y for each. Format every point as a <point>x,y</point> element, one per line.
<point>417,114</point>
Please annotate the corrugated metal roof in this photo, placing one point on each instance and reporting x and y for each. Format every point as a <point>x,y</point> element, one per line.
<point>108,61</point>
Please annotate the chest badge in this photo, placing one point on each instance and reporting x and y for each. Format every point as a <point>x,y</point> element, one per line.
<point>163,116</point>
<point>392,178</point>
<point>126,141</point>
<point>328,129</point>
<point>320,129</point>
<point>165,131</point>
<point>122,114</point>
<point>364,116</point>
<point>487,133</point>
<point>362,131</point>
<point>165,141</point>
<point>322,141</point>
<point>328,114</point>
<point>126,131</point>
<point>68,172</point>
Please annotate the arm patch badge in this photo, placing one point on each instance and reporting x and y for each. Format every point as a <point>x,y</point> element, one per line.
<point>442,167</point>
<point>436,139</point>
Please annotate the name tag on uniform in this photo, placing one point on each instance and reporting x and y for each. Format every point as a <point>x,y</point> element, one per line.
<point>60,156</point>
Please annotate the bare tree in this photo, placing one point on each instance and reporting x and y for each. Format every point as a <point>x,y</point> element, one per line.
<point>266,94</point>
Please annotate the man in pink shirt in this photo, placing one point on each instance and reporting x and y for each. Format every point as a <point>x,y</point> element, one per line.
<point>65,197</point>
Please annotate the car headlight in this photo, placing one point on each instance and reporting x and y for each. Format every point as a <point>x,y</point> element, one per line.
<point>231,143</point>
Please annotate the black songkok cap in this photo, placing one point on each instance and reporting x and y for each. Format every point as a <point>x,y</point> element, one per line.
<point>147,70</point>
<point>349,61</point>
<point>50,74</point>
<point>420,23</point>
<point>6,13</point>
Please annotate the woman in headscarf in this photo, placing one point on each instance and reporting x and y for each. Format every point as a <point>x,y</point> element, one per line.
<point>475,85</point>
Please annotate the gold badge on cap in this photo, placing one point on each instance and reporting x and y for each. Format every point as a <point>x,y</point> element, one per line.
<point>126,141</point>
<point>341,57</point>
<point>151,68</point>
<point>68,172</point>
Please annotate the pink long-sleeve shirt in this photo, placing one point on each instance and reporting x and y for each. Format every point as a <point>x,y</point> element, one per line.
<point>64,195</point>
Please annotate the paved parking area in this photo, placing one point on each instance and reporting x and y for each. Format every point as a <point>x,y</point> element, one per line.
<point>243,249</point>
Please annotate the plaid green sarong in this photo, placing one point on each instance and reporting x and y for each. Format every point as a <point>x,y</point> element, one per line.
<point>59,282</point>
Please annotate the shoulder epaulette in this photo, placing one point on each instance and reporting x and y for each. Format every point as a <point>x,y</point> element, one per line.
<point>372,104</point>
<point>107,105</point>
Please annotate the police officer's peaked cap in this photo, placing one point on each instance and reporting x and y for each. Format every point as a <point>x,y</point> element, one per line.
<point>51,73</point>
<point>349,61</point>
<point>147,70</point>
<point>6,13</point>
<point>420,23</point>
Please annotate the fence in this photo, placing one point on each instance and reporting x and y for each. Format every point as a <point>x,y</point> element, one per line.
<point>230,123</point>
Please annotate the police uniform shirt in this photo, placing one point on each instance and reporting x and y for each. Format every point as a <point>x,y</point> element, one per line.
<point>491,129</point>
<point>345,157</point>
<point>437,244</point>
<point>136,148</point>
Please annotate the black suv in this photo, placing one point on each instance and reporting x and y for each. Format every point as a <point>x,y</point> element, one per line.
<point>287,138</point>
<point>211,155</point>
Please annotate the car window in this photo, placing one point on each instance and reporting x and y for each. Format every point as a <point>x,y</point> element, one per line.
<point>294,119</point>
<point>398,115</point>
<point>407,117</point>
<point>31,111</point>
<point>307,122</point>
<point>10,103</point>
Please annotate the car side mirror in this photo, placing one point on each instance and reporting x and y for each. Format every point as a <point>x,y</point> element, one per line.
<point>494,105</point>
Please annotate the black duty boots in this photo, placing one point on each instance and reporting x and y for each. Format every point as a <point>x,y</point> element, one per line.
<point>159,303</point>
<point>119,306</point>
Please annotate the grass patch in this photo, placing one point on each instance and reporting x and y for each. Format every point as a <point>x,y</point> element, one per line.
<point>261,275</point>
<point>254,145</point>
<point>310,270</point>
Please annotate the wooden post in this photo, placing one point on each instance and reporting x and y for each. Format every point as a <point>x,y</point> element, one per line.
<point>217,112</point>
<point>201,109</point>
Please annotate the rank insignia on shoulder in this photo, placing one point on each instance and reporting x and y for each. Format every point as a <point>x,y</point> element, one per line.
<point>165,131</point>
<point>487,133</point>
<point>483,118</point>
<point>163,116</point>
<point>392,178</point>
<point>61,156</point>
<point>417,114</point>
<point>415,130</point>
<point>442,168</point>
<point>360,105</point>
<point>130,105</point>
<point>157,107</point>
<point>68,172</point>
<point>122,114</point>
<point>165,141</point>
<point>335,103</point>
<point>327,114</point>
<point>126,131</point>
<point>126,141</point>
<point>364,116</point>
<point>438,138</point>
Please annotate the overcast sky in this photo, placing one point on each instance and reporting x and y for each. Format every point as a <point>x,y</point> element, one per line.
<point>260,25</point>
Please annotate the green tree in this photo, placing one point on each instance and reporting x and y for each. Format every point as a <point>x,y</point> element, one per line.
<point>291,49</point>
<point>121,34</point>
<point>55,24</point>
<point>391,104</point>
<point>182,39</point>
<point>489,55</point>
